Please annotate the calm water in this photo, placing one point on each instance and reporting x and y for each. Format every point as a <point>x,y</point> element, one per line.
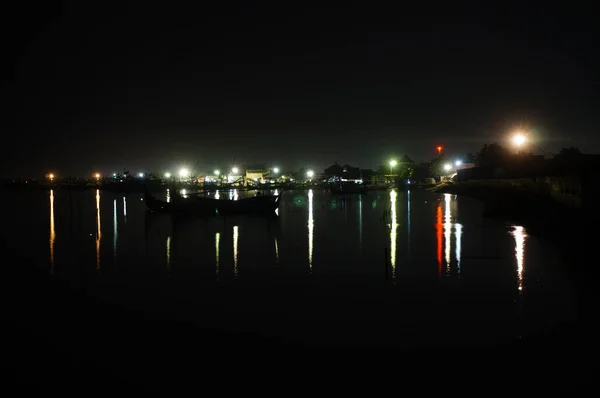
<point>408,268</point>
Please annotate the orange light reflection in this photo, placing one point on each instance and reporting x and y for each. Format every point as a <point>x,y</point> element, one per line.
<point>438,228</point>
<point>52,232</point>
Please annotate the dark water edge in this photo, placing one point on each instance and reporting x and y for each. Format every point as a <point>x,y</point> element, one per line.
<point>59,339</point>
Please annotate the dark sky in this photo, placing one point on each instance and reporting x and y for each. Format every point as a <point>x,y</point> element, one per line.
<point>155,87</point>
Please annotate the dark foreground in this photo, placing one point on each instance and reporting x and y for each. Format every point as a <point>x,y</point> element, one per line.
<point>59,340</point>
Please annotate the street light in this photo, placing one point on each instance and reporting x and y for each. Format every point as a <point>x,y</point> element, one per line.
<point>276,170</point>
<point>51,177</point>
<point>519,139</point>
<point>310,174</point>
<point>235,170</point>
<point>141,175</point>
<point>183,173</point>
<point>217,172</point>
<point>458,163</point>
<point>393,164</point>
<point>447,167</point>
<point>167,175</point>
<point>97,175</point>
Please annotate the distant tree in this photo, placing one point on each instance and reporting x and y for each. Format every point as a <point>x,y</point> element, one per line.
<point>470,158</point>
<point>493,155</point>
<point>570,153</point>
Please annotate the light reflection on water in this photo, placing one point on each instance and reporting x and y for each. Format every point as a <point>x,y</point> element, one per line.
<point>438,235</point>
<point>168,252</point>
<point>311,226</point>
<point>359,234</point>
<point>520,236</point>
<point>115,230</point>
<point>235,250</point>
<point>98,229</point>
<point>217,248</point>
<point>393,232</point>
<point>52,232</point>
<point>447,231</point>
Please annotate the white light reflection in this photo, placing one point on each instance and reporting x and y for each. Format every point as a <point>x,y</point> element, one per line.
<point>52,232</point>
<point>447,231</point>
<point>98,230</point>
<point>125,208</point>
<point>235,194</point>
<point>458,232</point>
<point>235,251</point>
<point>168,252</point>
<point>276,192</point>
<point>115,232</point>
<point>393,233</point>
<point>276,251</point>
<point>217,194</point>
<point>360,224</point>
<point>520,236</point>
<point>168,195</point>
<point>217,246</point>
<point>408,218</point>
<point>311,226</point>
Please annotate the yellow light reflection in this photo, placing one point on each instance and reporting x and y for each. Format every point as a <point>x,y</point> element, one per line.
<point>98,230</point>
<point>115,232</point>
<point>458,236</point>
<point>217,245</point>
<point>520,236</point>
<point>168,252</point>
<point>447,230</point>
<point>52,232</point>
<point>393,233</point>
<point>168,195</point>
<point>235,251</point>
<point>408,218</point>
<point>311,226</point>
<point>217,195</point>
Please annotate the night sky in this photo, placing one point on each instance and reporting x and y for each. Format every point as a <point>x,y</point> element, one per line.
<point>153,87</point>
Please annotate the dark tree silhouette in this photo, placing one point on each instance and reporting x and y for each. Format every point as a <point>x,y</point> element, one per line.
<point>570,153</point>
<point>493,155</point>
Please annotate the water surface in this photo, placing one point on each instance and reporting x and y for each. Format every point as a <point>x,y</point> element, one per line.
<point>393,267</point>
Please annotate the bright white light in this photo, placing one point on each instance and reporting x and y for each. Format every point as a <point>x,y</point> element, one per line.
<point>458,162</point>
<point>447,167</point>
<point>141,175</point>
<point>167,175</point>
<point>310,174</point>
<point>235,170</point>
<point>519,139</point>
<point>114,174</point>
<point>276,170</point>
<point>217,172</point>
<point>393,163</point>
<point>184,173</point>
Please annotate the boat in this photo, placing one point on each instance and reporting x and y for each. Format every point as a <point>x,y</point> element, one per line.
<point>200,205</point>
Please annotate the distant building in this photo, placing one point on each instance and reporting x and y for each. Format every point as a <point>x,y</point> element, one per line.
<point>342,172</point>
<point>256,176</point>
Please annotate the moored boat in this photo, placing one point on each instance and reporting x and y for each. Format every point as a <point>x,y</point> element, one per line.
<point>200,205</point>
